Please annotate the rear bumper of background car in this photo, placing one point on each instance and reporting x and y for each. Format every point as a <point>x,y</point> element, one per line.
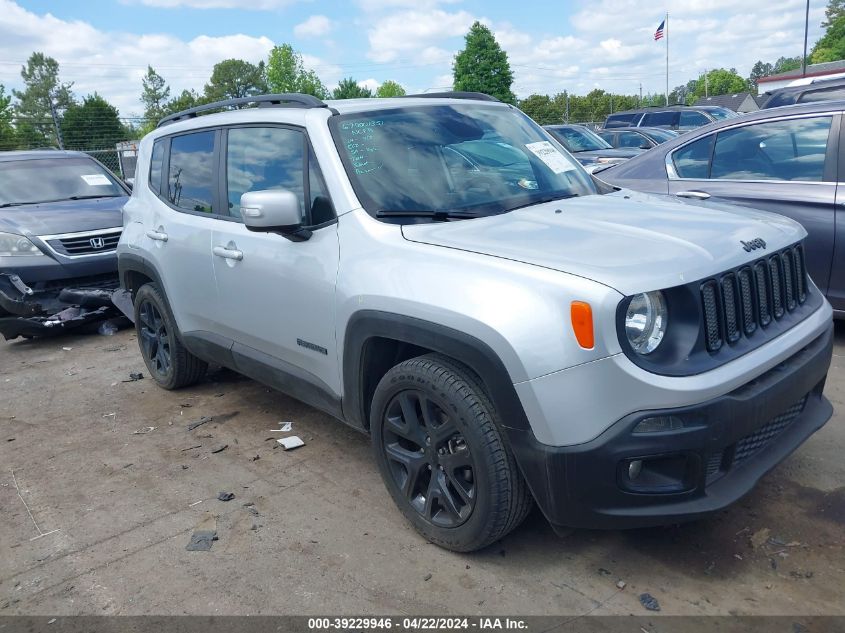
<point>725,446</point>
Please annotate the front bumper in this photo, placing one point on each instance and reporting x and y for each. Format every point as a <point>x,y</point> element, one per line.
<point>727,444</point>
<point>40,271</point>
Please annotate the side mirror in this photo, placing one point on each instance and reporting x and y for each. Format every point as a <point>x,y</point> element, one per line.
<point>645,146</point>
<point>274,211</point>
<point>130,183</point>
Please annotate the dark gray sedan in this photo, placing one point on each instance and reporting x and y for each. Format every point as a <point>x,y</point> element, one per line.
<point>785,160</point>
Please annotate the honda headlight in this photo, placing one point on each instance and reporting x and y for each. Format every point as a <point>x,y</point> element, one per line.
<point>645,321</point>
<point>12,245</point>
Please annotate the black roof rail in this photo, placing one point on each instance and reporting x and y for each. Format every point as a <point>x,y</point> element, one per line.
<point>472,96</point>
<point>287,100</point>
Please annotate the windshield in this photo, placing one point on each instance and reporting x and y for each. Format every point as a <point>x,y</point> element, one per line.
<point>54,179</point>
<point>577,139</point>
<point>721,113</point>
<point>465,160</point>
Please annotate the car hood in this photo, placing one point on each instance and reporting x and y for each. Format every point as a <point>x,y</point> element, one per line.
<point>629,241</point>
<point>67,216</point>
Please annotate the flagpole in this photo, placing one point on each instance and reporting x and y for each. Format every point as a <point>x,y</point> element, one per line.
<point>667,58</point>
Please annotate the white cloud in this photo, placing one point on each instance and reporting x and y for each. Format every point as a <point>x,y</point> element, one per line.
<point>382,5</point>
<point>409,32</point>
<point>315,26</point>
<point>256,5</point>
<point>371,83</point>
<point>112,63</point>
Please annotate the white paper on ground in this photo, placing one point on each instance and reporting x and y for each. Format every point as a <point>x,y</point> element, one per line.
<point>95,180</point>
<point>549,154</point>
<point>291,442</point>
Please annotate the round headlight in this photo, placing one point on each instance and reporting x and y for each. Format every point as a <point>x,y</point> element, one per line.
<point>645,321</point>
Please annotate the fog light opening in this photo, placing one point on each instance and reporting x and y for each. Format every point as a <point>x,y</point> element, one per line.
<point>634,469</point>
<point>660,424</point>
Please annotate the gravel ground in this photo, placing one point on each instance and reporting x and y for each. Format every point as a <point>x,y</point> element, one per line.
<point>114,503</point>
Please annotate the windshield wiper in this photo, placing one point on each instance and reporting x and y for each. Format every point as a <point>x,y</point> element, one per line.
<point>436,215</point>
<point>18,204</point>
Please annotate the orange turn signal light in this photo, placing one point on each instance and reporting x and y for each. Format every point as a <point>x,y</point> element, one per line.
<point>582,323</point>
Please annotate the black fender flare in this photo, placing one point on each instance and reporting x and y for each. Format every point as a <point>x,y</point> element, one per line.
<point>471,351</point>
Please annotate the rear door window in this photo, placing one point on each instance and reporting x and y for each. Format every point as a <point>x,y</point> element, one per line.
<point>190,180</point>
<point>692,119</point>
<point>619,120</point>
<point>794,149</point>
<point>826,94</point>
<point>667,118</point>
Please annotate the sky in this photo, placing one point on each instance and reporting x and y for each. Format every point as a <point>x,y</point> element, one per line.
<point>575,45</point>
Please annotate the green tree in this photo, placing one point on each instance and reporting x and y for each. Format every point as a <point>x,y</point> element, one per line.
<point>785,64</point>
<point>835,10</point>
<point>831,47</point>
<point>35,123</point>
<point>8,136</point>
<point>758,71</point>
<point>154,94</point>
<point>93,124</point>
<point>482,66</point>
<point>719,81</point>
<point>183,101</point>
<point>390,88</point>
<point>542,109</point>
<point>287,73</point>
<point>234,79</point>
<point>349,89</point>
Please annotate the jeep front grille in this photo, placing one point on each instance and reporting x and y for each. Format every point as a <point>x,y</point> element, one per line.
<point>738,302</point>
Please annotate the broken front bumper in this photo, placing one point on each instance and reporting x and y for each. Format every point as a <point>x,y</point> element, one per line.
<point>53,310</point>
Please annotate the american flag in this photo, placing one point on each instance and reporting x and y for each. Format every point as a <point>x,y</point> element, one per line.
<point>658,34</point>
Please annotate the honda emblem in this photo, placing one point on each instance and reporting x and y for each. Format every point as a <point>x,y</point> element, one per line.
<point>97,242</point>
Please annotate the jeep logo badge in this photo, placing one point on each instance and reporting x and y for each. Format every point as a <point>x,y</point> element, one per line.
<point>753,245</point>
<point>97,242</point>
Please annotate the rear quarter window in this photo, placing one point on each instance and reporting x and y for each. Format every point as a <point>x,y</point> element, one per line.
<point>156,160</point>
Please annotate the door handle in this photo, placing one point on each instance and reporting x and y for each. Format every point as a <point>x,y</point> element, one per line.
<point>228,253</point>
<point>695,195</point>
<point>158,236</point>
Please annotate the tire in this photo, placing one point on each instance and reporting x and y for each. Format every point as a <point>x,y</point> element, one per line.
<point>437,441</point>
<point>169,363</point>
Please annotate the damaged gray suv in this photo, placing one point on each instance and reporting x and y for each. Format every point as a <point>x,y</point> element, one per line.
<point>438,272</point>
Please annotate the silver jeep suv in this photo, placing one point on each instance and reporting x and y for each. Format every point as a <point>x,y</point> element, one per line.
<point>438,272</point>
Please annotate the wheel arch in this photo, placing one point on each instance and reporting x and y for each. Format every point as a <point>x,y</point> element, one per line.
<point>375,341</point>
<point>134,271</point>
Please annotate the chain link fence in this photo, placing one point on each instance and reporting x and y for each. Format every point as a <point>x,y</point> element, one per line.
<point>120,160</point>
<point>109,158</point>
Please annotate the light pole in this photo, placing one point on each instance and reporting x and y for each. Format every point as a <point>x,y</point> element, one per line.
<point>806,28</point>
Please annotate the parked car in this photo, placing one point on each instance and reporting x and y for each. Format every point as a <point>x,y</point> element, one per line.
<point>502,344</point>
<point>60,220</point>
<point>829,90</point>
<point>588,147</point>
<point>681,118</point>
<point>640,138</point>
<point>780,160</point>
